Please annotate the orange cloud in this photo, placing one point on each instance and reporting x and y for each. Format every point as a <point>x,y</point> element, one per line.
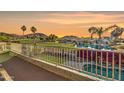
<point>59,23</point>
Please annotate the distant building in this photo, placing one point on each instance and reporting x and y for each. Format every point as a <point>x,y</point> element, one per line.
<point>69,39</point>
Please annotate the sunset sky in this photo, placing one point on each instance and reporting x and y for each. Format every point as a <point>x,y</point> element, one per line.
<point>59,23</point>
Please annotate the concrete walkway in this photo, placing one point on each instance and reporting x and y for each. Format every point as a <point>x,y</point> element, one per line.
<point>24,71</point>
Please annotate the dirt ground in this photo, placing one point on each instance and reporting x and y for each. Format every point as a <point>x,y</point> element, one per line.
<point>20,70</point>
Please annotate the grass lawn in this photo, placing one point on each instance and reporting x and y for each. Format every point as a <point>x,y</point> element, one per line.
<point>56,44</point>
<point>24,40</point>
<point>4,57</point>
<point>46,44</point>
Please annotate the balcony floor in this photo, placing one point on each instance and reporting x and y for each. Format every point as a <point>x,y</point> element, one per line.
<point>20,70</point>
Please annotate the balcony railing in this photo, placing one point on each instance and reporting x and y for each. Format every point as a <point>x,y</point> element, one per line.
<point>106,65</point>
<point>3,47</point>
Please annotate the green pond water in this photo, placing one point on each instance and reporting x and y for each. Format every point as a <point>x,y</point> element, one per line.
<point>116,71</point>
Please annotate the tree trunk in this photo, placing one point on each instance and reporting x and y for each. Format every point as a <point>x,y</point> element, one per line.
<point>23,34</point>
<point>34,39</point>
<point>100,36</point>
<point>92,36</point>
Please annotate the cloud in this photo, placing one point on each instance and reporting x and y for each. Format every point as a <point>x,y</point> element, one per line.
<point>87,18</point>
<point>64,18</point>
<point>53,21</point>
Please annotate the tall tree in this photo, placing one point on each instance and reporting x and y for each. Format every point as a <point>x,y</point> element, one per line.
<point>116,33</point>
<point>93,31</point>
<point>23,28</point>
<point>33,30</point>
<point>99,30</point>
<point>52,37</point>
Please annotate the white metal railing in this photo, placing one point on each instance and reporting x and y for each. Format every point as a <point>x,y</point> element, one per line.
<point>16,47</point>
<point>3,47</point>
<point>107,65</point>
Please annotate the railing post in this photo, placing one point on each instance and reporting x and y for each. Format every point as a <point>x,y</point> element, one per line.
<point>44,54</point>
<point>57,57</point>
<point>61,56</point>
<point>74,63</point>
<point>74,58</point>
<point>54,54</point>
<point>79,60</point>
<point>51,53</point>
<point>41,51</point>
<point>113,63</point>
<point>83,58</point>
<point>66,58</point>
<point>47,54</point>
<point>96,63</point>
<point>56,61</point>
<point>106,65</point>
<point>71,65</point>
<point>101,62</point>
<point>4,47</point>
<point>91,60</point>
<point>66,62</point>
<point>119,71</point>
<point>70,58</point>
<point>87,59</point>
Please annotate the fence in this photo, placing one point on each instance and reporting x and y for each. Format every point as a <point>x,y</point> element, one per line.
<point>3,47</point>
<point>107,65</point>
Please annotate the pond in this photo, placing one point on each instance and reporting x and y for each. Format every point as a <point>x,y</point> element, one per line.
<point>95,46</point>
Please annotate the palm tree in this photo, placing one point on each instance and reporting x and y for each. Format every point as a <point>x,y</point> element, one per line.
<point>93,31</point>
<point>111,27</point>
<point>99,30</point>
<point>33,29</point>
<point>117,32</point>
<point>52,37</point>
<point>23,28</point>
